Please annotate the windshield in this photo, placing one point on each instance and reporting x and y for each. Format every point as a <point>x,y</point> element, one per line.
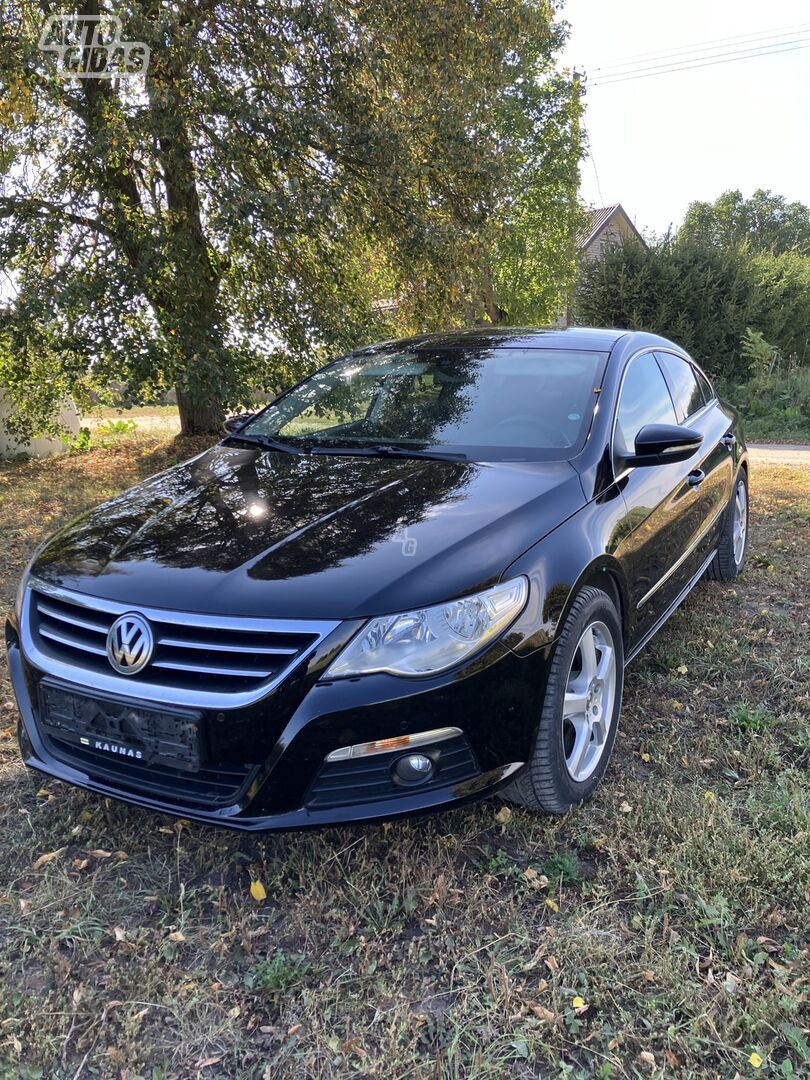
<point>490,404</point>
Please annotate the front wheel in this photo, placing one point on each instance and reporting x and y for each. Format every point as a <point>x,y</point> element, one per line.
<point>580,712</point>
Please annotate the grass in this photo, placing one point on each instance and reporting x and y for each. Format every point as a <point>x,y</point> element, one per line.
<point>660,930</point>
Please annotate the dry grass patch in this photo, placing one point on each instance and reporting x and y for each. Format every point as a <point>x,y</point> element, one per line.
<point>660,930</point>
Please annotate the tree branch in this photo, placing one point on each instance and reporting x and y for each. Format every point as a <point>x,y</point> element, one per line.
<point>11,205</point>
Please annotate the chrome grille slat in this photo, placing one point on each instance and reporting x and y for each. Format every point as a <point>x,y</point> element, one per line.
<point>73,643</point>
<point>203,669</point>
<point>211,661</point>
<point>259,650</point>
<point>72,620</point>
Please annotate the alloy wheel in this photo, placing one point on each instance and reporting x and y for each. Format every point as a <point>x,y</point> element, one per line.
<point>590,695</point>
<point>740,526</point>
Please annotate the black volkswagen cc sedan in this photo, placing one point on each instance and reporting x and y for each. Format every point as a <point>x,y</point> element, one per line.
<point>412,580</point>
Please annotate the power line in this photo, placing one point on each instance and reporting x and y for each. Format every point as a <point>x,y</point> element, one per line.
<point>647,73</point>
<point>707,53</point>
<point>742,39</point>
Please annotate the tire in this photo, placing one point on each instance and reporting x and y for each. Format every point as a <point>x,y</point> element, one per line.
<point>552,780</point>
<point>733,547</point>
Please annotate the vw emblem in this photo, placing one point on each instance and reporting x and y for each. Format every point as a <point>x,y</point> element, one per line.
<point>129,644</point>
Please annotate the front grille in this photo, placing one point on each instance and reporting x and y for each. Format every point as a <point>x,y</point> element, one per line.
<point>209,660</point>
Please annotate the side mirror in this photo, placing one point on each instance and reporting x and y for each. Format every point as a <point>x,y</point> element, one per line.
<point>232,424</point>
<point>659,444</point>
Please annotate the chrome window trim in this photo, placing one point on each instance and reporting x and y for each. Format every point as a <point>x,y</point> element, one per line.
<point>124,687</point>
<point>688,360</point>
<point>679,562</point>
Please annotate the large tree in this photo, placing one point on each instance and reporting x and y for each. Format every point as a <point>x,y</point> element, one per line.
<point>764,224</point>
<point>289,178</point>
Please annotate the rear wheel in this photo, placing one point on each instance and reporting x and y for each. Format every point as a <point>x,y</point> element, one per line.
<point>580,712</point>
<point>733,547</point>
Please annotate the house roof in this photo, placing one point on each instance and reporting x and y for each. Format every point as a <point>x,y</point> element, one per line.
<point>598,219</point>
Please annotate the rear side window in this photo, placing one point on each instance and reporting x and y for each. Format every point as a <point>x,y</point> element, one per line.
<point>682,384</point>
<point>705,386</point>
<point>644,400</point>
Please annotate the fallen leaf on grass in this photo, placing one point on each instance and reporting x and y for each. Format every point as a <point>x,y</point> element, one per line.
<point>552,905</point>
<point>625,807</point>
<point>504,815</point>
<point>755,1060</point>
<point>258,891</point>
<point>647,1058</point>
<point>579,1002</point>
<point>209,1061</point>
<point>49,856</point>
<point>177,935</point>
<point>352,1046</point>
<point>98,853</point>
<point>682,669</point>
<point>537,881</point>
<point>295,1029</point>
<point>544,1014</point>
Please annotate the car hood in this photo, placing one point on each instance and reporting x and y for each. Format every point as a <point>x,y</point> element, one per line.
<point>243,531</point>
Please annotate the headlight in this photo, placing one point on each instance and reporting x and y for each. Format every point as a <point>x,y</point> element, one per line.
<point>432,639</point>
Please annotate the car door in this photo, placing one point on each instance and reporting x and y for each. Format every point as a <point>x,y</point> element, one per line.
<point>696,406</point>
<point>662,512</point>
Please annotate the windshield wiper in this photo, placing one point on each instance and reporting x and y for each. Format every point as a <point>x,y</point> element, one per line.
<point>266,442</point>
<point>390,450</point>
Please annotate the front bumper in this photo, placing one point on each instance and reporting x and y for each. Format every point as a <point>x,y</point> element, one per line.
<point>272,754</point>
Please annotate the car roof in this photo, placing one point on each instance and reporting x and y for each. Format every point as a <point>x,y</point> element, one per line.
<point>516,337</point>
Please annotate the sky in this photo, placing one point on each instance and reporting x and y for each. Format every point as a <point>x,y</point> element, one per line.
<point>658,143</point>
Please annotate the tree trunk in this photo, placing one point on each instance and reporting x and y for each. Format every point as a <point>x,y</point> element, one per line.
<point>198,417</point>
<point>495,313</point>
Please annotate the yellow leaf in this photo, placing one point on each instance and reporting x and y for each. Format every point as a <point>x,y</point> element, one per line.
<point>578,1002</point>
<point>49,856</point>
<point>755,1060</point>
<point>552,905</point>
<point>682,669</point>
<point>258,891</point>
<point>177,935</point>
<point>709,796</point>
<point>504,815</point>
<point>645,756</point>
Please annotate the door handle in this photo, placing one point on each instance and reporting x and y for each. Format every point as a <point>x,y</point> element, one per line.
<point>729,439</point>
<point>696,477</point>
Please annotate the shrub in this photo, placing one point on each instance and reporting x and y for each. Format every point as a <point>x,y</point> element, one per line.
<point>708,300</point>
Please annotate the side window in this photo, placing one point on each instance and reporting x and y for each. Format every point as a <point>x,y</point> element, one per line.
<point>683,385</point>
<point>645,400</point>
<point>705,386</point>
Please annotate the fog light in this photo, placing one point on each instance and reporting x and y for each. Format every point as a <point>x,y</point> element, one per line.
<point>413,769</point>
